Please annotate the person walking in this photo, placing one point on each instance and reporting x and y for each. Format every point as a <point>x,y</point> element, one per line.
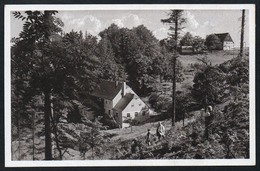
<point>148,137</point>
<point>160,131</point>
<point>208,121</point>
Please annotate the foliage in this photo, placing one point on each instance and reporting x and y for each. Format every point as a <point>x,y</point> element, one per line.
<point>187,40</point>
<point>208,84</point>
<point>132,55</point>
<point>91,138</point>
<point>195,41</point>
<point>160,102</point>
<point>51,65</point>
<point>213,42</point>
<point>198,44</point>
<point>175,17</point>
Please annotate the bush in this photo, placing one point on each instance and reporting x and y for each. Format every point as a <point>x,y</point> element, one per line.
<point>160,102</point>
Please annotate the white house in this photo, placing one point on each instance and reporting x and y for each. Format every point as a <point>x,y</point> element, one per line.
<point>226,40</point>
<point>121,102</point>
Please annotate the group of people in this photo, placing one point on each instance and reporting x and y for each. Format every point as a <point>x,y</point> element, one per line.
<point>160,132</point>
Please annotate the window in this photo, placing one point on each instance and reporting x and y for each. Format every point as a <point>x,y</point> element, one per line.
<point>108,111</point>
<point>143,113</point>
<point>106,102</point>
<point>132,105</point>
<point>136,113</point>
<point>140,104</point>
<point>128,114</point>
<point>116,114</point>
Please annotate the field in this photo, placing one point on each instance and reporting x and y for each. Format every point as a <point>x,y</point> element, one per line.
<point>216,57</point>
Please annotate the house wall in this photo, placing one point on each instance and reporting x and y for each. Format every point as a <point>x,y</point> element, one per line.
<point>135,107</point>
<point>108,106</point>
<point>136,110</point>
<point>228,45</point>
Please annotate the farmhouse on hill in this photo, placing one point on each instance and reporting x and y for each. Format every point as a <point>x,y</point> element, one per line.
<point>226,40</point>
<point>121,103</point>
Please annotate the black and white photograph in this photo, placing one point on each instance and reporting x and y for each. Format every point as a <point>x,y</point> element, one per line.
<point>129,85</point>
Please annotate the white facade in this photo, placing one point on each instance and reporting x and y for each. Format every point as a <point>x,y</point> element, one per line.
<point>228,45</point>
<point>136,108</point>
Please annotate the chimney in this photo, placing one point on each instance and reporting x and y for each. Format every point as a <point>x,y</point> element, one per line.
<point>124,89</point>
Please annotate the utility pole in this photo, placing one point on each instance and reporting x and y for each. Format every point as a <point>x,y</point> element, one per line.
<point>33,133</point>
<point>242,33</point>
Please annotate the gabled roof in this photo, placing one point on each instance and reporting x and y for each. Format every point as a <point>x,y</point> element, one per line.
<point>123,102</point>
<point>223,36</point>
<point>107,89</point>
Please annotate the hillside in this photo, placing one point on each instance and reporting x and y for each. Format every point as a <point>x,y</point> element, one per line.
<point>229,139</point>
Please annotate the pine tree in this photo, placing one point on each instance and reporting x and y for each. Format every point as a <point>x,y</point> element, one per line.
<point>176,21</point>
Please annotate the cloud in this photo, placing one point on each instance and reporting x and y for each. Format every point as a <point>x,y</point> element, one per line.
<point>197,27</point>
<point>129,21</point>
<point>118,22</point>
<point>77,22</point>
<point>191,21</point>
<point>90,23</point>
<point>207,24</point>
<point>161,33</point>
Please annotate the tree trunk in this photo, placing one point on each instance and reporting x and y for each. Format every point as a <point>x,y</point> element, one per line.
<point>174,73</point>
<point>19,138</point>
<point>55,131</point>
<point>183,117</point>
<point>242,33</point>
<point>47,111</point>
<point>92,153</point>
<point>33,130</point>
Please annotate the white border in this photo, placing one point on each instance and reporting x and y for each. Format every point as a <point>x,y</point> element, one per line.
<point>177,162</point>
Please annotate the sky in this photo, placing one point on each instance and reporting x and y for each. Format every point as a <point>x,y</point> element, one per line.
<point>199,22</point>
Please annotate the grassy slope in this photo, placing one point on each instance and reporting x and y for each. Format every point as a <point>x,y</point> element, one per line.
<point>216,57</point>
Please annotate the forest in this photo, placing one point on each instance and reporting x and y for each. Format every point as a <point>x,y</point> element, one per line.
<point>53,74</point>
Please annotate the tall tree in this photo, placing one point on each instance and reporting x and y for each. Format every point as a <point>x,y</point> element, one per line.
<point>31,60</point>
<point>176,21</point>
<point>52,65</point>
<point>242,33</point>
<point>129,54</point>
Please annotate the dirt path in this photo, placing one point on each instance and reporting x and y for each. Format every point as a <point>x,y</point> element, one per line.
<point>141,130</point>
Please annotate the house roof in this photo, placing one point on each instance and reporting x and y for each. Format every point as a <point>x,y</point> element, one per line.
<point>224,36</point>
<point>123,102</point>
<point>107,89</point>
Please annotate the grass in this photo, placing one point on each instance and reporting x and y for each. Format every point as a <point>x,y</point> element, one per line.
<point>216,57</point>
